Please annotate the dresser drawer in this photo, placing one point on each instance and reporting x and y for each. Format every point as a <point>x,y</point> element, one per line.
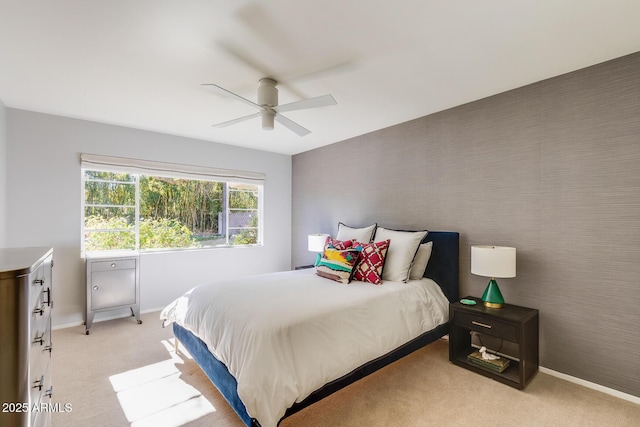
<point>486,325</point>
<point>38,284</point>
<point>40,362</point>
<point>40,351</point>
<point>116,264</point>
<point>40,311</point>
<point>39,319</point>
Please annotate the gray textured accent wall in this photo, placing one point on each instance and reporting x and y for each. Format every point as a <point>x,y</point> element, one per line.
<point>552,168</point>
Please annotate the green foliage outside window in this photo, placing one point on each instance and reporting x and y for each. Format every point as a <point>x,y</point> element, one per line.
<point>171,212</point>
<point>99,240</point>
<point>154,233</point>
<point>248,236</point>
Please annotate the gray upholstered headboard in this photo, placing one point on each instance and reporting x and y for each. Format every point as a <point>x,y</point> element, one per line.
<point>443,266</point>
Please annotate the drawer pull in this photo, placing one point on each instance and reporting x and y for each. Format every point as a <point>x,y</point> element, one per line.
<point>48,348</point>
<point>484,325</point>
<point>39,339</point>
<point>39,311</point>
<point>39,282</point>
<point>39,383</point>
<point>113,265</point>
<point>48,300</point>
<point>95,288</point>
<point>49,393</point>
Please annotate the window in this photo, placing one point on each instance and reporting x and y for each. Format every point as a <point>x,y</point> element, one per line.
<point>127,207</point>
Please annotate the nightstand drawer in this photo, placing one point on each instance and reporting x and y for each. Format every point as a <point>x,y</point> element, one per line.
<point>486,325</point>
<point>114,264</point>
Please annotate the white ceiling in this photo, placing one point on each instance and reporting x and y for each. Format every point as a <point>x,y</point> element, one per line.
<point>141,63</point>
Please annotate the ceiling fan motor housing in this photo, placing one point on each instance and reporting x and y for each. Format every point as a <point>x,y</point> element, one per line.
<point>270,111</point>
<point>267,99</point>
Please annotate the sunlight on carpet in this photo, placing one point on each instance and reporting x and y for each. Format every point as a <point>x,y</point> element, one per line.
<point>155,395</point>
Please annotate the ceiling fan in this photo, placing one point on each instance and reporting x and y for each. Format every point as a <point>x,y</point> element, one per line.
<point>269,110</point>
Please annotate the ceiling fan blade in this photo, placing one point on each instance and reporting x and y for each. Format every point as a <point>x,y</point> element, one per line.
<point>265,25</point>
<point>319,101</point>
<point>238,120</point>
<point>243,56</point>
<point>226,92</point>
<point>291,125</point>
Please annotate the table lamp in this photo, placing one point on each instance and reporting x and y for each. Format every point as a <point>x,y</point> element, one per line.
<point>493,261</point>
<point>316,244</point>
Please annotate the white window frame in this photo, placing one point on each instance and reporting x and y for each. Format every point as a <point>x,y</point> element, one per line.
<point>258,214</point>
<point>136,168</point>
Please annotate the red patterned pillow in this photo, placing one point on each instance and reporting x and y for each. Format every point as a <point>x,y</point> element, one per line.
<point>371,261</point>
<point>340,245</point>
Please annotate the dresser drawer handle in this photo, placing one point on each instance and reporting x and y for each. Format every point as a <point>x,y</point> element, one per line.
<point>39,339</point>
<point>39,282</point>
<point>39,311</point>
<point>484,325</point>
<point>39,383</point>
<point>113,265</point>
<point>48,300</point>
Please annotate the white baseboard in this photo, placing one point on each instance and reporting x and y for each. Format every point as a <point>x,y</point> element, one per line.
<point>103,319</point>
<point>66,325</point>
<point>615,393</point>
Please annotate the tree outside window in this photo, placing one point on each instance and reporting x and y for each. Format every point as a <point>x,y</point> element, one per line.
<point>140,212</point>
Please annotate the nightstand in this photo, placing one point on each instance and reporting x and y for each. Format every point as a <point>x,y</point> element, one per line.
<point>113,281</point>
<point>513,330</point>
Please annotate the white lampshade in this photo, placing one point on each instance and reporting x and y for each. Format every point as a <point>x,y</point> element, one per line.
<point>493,261</point>
<point>316,242</point>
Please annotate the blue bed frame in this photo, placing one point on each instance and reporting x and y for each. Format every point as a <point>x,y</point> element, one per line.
<point>443,268</point>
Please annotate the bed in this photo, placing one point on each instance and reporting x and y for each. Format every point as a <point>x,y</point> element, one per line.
<point>313,350</point>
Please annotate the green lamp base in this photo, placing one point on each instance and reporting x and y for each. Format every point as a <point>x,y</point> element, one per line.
<point>492,296</point>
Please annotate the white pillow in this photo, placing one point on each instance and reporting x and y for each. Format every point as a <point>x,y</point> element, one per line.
<point>362,235</point>
<point>402,250</point>
<point>420,261</point>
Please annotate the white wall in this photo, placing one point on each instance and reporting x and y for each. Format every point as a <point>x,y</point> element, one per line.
<point>3,173</point>
<point>44,195</point>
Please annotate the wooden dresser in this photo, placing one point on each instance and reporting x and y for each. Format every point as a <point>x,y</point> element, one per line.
<point>25,336</point>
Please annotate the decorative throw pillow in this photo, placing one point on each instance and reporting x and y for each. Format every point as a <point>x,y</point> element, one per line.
<point>402,250</point>
<point>338,244</point>
<point>364,234</point>
<point>420,261</point>
<point>337,264</point>
<point>371,261</point>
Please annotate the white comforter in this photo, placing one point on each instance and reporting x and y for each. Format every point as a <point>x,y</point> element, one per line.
<point>284,335</point>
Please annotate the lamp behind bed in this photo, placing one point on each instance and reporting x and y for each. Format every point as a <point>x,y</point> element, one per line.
<point>315,243</point>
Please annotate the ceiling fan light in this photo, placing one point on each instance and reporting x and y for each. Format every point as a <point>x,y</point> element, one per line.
<point>267,119</point>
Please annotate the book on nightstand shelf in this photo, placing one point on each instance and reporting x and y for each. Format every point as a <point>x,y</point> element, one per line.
<point>496,365</point>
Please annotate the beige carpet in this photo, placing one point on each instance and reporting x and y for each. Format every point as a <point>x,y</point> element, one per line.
<point>127,374</point>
